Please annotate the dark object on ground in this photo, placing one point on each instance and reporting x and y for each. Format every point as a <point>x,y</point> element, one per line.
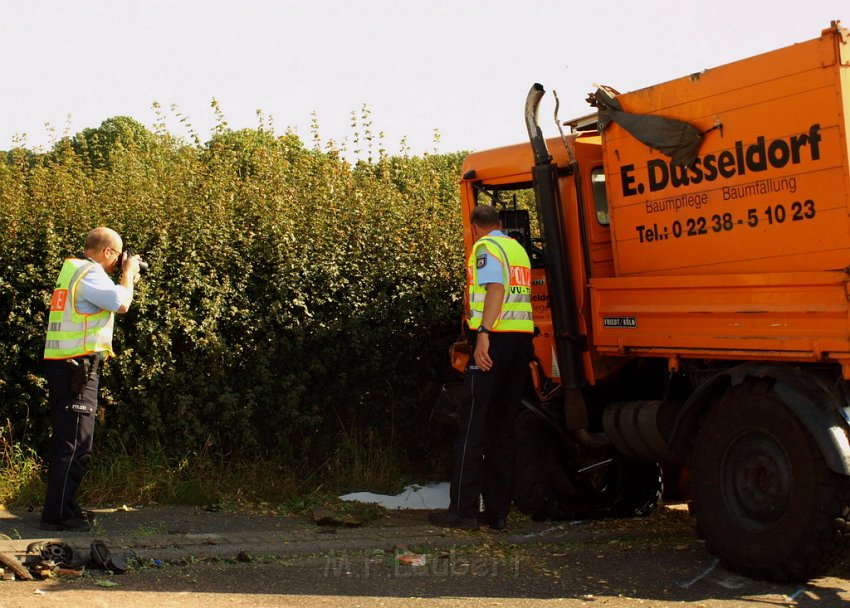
<point>76,524</point>
<point>494,523</point>
<point>450,520</point>
<point>58,553</point>
<point>104,559</point>
<point>244,556</point>
<point>324,517</point>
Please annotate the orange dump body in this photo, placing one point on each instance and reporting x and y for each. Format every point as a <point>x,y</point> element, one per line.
<point>745,253</point>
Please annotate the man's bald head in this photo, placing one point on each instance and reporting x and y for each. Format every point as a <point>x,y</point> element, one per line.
<point>104,246</point>
<point>102,237</point>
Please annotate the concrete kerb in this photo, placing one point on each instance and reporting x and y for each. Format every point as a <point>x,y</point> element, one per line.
<point>192,534</point>
<point>175,547</point>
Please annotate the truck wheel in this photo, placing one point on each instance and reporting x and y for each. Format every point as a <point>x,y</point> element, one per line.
<point>621,488</point>
<point>764,499</point>
<point>541,487</point>
<point>552,482</point>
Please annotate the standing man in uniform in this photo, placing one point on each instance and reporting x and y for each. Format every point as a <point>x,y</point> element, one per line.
<point>501,324</point>
<point>79,340</point>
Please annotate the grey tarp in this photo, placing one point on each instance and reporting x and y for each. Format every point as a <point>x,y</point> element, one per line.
<point>675,138</point>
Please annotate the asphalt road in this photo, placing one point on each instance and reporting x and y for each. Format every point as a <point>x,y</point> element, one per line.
<point>265,560</point>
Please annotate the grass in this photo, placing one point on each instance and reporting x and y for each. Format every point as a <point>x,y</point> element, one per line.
<point>159,530</point>
<point>20,471</point>
<point>118,476</point>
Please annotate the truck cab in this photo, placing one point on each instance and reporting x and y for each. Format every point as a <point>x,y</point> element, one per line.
<point>502,177</point>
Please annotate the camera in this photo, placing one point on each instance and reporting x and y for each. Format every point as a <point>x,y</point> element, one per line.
<point>128,253</point>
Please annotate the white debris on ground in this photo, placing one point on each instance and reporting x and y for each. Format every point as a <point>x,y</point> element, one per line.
<point>431,496</point>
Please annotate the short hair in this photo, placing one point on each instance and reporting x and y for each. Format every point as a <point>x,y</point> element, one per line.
<point>485,215</point>
<point>100,238</point>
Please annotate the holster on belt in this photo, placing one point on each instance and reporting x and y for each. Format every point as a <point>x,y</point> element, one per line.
<point>83,369</point>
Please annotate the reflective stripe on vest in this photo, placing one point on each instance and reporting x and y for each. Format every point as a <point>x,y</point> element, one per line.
<point>516,313</point>
<point>70,333</point>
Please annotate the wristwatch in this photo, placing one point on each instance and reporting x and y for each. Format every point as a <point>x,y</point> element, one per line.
<point>483,330</point>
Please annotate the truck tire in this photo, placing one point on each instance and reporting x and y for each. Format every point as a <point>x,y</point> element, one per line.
<point>763,496</point>
<point>541,488</point>
<point>622,488</point>
<point>549,482</point>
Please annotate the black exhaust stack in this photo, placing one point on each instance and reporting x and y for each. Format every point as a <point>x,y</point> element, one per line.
<point>569,344</point>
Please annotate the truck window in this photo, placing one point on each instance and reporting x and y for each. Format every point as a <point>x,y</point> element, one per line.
<point>600,196</point>
<point>518,211</point>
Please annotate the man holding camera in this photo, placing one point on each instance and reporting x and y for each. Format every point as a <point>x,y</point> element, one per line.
<point>79,340</point>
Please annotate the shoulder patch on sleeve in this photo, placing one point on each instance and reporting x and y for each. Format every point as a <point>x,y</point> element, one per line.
<point>481,261</point>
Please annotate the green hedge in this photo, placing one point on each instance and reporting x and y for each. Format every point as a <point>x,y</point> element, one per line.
<point>291,295</point>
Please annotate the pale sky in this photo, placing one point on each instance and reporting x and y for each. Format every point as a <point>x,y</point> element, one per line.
<point>461,67</point>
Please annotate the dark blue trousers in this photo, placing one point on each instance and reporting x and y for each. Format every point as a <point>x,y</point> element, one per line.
<point>70,444</point>
<point>485,448</point>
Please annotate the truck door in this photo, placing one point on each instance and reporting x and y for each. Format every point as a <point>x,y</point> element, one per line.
<point>598,253</point>
<point>595,217</point>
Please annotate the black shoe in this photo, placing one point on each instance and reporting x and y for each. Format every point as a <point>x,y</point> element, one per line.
<point>450,520</point>
<point>493,522</point>
<point>79,513</point>
<point>497,523</point>
<point>77,524</point>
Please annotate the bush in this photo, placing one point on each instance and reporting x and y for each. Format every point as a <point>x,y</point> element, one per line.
<point>292,297</point>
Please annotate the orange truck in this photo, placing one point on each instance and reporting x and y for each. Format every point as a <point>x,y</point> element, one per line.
<point>690,245</point>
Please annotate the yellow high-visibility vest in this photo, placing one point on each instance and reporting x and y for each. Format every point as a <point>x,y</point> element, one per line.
<point>71,333</point>
<point>516,313</point>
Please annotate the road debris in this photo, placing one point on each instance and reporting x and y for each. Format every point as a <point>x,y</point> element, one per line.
<point>325,517</point>
<point>13,563</point>
<point>412,559</point>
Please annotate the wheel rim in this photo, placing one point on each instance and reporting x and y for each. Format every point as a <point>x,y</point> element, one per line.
<point>756,480</point>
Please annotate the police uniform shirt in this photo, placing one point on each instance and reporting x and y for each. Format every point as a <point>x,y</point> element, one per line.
<point>490,270</point>
<point>97,292</point>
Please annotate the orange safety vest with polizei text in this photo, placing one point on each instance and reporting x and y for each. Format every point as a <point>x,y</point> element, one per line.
<point>516,313</point>
<point>71,333</point>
